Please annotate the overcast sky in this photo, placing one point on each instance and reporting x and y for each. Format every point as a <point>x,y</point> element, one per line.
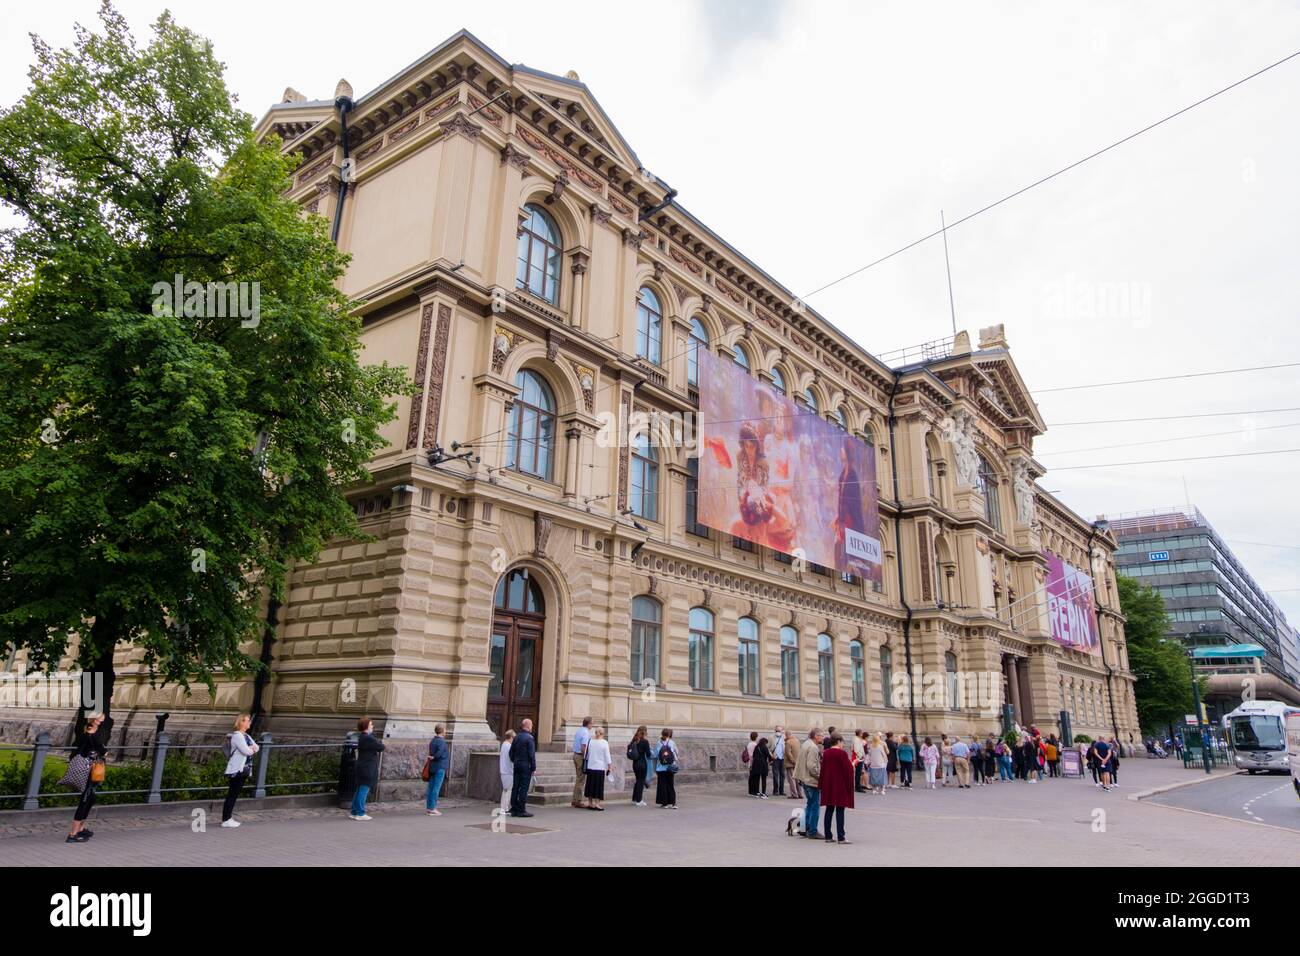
<point>816,137</point>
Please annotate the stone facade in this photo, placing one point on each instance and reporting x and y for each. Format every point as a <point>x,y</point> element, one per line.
<point>402,627</point>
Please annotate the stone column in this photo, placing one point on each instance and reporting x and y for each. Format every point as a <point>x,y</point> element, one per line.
<point>1013,688</point>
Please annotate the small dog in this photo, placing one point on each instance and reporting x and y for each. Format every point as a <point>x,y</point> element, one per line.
<point>794,826</point>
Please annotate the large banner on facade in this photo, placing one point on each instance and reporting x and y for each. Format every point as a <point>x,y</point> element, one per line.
<point>778,475</point>
<point>1069,606</point>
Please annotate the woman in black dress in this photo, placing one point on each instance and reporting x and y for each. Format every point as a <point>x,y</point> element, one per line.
<point>88,748</point>
<point>638,751</point>
<point>759,764</point>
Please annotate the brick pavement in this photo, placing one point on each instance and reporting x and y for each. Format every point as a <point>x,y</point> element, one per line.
<point>1003,824</point>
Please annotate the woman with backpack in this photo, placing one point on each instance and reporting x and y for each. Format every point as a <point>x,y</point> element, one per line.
<point>665,766</point>
<point>638,754</point>
<point>239,749</point>
<point>759,763</point>
<point>598,764</point>
<point>81,773</point>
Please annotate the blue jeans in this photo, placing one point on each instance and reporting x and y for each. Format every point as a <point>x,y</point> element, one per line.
<point>435,788</point>
<point>359,800</point>
<point>1004,769</point>
<point>814,797</point>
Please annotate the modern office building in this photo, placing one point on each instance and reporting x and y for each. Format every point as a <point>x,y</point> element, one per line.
<point>1237,636</point>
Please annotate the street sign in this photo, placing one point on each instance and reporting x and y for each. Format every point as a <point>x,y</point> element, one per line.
<point>1191,720</point>
<point>1157,555</point>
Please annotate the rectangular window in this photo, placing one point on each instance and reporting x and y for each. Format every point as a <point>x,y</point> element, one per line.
<point>701,660</point>
<point>826,677</point>
<point>748,666</point>
<point>693,525</point>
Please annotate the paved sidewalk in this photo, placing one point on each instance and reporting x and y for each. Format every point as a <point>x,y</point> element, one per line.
<point>1057,823</point>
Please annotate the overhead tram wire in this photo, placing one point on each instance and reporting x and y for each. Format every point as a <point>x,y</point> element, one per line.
<point>1161,441</point>
<point>1170,418</point>
<point>1051,176</point>
<point>1164,378</point>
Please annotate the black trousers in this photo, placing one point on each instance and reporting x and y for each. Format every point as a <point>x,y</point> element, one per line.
<point>666,791</point>
<point>232,794</point>
<point>638,785</point>
<point>977,768</point>
<point>778,778</point>
<point>519,792</point>
<point>86,802</point>
<point>838,813</point>
<point>757,781</point>
<point>905,772</point>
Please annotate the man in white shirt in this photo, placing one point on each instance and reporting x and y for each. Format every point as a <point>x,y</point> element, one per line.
<point>778,761</point>
<point>581,737</point>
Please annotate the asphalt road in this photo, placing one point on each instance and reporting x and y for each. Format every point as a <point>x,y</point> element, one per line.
<point>1262,798</point>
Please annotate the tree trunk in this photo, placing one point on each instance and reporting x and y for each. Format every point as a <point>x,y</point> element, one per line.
<point>97,676</point>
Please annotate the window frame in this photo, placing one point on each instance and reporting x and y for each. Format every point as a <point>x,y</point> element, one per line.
<point>700,638</point>
<point>749,651</point>
<point>653,332</point>
<point>640,630</point>
<point>526,239</point>
<point>515,439</point>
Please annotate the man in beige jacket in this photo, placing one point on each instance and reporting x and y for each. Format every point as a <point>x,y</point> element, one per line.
<point>808,771</point>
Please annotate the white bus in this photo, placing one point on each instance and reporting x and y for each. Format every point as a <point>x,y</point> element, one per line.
<point>1256,734</point>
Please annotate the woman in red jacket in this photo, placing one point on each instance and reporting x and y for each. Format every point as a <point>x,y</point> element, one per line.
<point>836,786</point>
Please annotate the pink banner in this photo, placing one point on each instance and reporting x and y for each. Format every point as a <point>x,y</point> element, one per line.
<point>1070,607</point>
<point>776,474</point>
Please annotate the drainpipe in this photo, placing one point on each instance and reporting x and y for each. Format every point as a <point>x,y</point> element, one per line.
<point>343,103</point>
<point>668,200</point>
<point>898,561</point>
<point>1098,526</point>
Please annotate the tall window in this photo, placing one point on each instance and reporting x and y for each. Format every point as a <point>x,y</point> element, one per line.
<point>810,400</point>
<point>701,648</point>
<point>645,640</point>
<point>929,471</point>
<point>938,572</point>
<point>790,661</point>
<point>747,635</point>
<point>950,676</point>
<point>826,668</point>
<point>649,325</point>
<point>887,676</point>
<point>858,664</point>
<point>988,480</point>
<point>538,268</point>
<point>778,381</point>
<point>643,491</point>
<point>841,420</point>
<point>699,339</point>
<point>741,358</point>
<point>693,525</point>
<point>531,439</point>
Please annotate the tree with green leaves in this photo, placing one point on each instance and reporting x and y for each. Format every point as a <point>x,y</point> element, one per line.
<point>1163,689</point>
<point>164,458</point>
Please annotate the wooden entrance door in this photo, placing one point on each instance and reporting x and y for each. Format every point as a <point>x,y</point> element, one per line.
<point>515,652</point>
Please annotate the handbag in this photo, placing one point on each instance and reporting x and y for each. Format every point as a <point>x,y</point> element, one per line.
<point>98,770</point>
<point>77,774</point>
<point>424,774</point>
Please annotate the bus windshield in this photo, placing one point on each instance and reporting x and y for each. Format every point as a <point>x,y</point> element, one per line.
<point>1260,732</point>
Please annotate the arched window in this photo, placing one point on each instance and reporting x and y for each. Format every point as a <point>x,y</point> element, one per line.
<point>740,358</point>
<point>826,668</point>
<point>649,325</point>
<point>930,483</point>
<point>778,381</point>
<point>988,483</point>
<point>887,676</point>
<point>747,636</point>
<point>645,641</point>
<point>810,400</point>
<point>643,490</point>
<point>517,591</point>
<point>701,648</point>
<point>841,420</point>
<point>538,268</point>
<point>938,571</point>
<point>950,675</point>
<point>699,339</point>
<point>858,663</point>
<point>531,441</point>
<point>790,662</point>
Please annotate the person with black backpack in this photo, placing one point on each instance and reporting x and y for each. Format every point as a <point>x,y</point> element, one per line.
<point>666,766</point>
<point>239,749</point>
<point>638,754</point>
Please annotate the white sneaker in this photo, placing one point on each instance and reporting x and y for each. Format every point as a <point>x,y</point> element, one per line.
<point>230,824</point>
<point>365,816</point>
<point>642,804</point>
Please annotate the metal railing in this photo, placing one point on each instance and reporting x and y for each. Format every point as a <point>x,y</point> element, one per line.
<point>157,751</point>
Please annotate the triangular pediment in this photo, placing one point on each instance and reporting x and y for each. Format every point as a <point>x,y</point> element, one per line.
<point>568,101</point>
